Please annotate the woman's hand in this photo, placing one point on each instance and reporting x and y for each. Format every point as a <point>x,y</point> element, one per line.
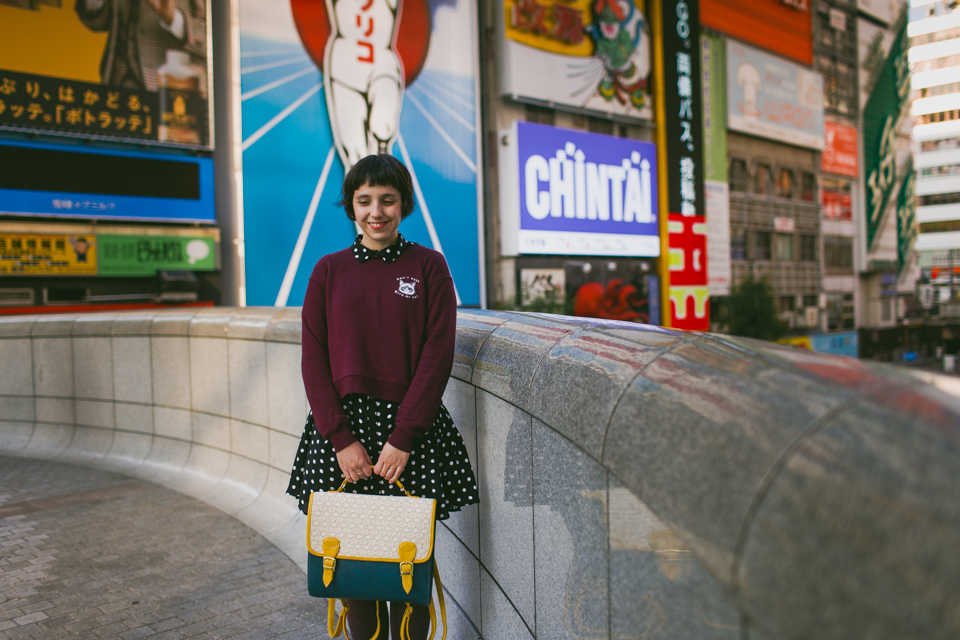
<point>391,462</point>
<point>355,462</point>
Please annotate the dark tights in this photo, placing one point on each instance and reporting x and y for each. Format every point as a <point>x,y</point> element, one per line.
<point>362,619</point>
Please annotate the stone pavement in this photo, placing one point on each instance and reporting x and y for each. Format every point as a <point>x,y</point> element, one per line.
<point>90,554</point>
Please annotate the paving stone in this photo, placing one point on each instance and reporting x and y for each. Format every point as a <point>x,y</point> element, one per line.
<point>88,555</point>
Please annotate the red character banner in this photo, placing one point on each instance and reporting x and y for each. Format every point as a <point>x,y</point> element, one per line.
<point>689,293</point>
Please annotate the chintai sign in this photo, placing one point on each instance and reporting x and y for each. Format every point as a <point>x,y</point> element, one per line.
<point>585,193</point>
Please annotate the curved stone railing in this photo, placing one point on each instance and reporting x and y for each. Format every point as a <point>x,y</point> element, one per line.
<point>635,482</point>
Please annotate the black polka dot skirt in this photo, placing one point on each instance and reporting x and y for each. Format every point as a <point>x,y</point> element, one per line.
<point>438,468</point>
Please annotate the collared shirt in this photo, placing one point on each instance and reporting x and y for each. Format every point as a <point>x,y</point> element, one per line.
<point>389,254</point>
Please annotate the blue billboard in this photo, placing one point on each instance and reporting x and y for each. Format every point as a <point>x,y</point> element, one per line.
<point>586,193</point>
<point>324,83</point>
<point>73,181</point>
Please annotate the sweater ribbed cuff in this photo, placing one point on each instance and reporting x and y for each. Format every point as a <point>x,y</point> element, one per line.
<point>341,438</point>
<point>401,440</point>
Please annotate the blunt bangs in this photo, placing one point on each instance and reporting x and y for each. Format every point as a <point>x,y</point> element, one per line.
<point>378,171</point>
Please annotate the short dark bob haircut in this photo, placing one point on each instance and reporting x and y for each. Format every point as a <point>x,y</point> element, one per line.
<point>378,171</point>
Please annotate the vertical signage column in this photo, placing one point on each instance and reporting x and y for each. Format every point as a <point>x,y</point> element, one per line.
<point>679,118</point>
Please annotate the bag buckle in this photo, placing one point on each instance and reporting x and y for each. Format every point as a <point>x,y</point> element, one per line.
<point>330,563</point>
<point>406,568</point>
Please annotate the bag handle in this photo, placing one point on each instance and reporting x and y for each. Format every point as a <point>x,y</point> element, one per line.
<point>346,480</point>
<point>405,623</point>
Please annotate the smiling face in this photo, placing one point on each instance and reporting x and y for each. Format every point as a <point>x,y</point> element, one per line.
<point>378,211</point>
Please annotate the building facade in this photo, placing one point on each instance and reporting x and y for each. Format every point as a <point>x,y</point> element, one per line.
<point>934,32</point>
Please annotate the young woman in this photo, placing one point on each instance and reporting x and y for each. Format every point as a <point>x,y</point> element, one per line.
<point>379,324</point>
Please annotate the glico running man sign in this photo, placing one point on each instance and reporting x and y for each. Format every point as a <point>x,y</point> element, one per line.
<point>585,193</point>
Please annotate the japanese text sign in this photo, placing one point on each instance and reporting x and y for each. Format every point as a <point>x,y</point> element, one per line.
<point>773,98</point>
<point>36,255</point>
<point>883,110</point>
<point>107,69</point>
<point>141,255</point>
<point>586,194</point>
<point>684,124</point>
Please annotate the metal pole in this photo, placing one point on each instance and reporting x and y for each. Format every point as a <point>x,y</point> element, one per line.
<point>227,155</point>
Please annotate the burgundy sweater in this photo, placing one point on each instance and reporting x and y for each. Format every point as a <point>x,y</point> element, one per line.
<point>384,330</point>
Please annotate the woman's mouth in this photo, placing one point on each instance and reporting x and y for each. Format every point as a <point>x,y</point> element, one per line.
<point>376,226</point>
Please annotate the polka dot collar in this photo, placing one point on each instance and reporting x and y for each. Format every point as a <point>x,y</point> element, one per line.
<point>391,253</point>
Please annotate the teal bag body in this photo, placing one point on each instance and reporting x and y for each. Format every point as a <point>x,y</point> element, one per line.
<point>363,580</point>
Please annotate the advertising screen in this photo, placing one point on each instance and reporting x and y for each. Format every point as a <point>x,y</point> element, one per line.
<point>581,53</point>
<point>773,98</point>
<point>586,193</point>
<point>108,69</point>
<point>783,27</point>
<point>324,84</point>
<point>69,181</point>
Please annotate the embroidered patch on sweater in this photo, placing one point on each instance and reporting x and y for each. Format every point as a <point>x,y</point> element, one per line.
<point>407,288</point>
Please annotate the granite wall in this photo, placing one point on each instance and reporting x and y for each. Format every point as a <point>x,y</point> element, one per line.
<point>635,482</point>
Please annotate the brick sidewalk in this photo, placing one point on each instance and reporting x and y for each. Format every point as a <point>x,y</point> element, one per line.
<point>90,554</point>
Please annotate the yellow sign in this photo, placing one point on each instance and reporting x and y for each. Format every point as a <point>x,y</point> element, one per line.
<point>23,254</point>
<point>798,341</point>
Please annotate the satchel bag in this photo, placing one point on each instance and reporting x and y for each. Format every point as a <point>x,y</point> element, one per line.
<point>372,547</point>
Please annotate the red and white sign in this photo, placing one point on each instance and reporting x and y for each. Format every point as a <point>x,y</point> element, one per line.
<point>786,225</point>
<point>840,150</point>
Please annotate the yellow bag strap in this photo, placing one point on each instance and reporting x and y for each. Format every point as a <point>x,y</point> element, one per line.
<point>334,626</point>
<point>405,623</point>
<point>443,606</point>
<point>343,486</point>
<point>335,630</point>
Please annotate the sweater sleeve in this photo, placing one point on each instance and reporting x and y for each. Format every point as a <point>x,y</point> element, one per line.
<point>315,365</point>
<point>422,400</point>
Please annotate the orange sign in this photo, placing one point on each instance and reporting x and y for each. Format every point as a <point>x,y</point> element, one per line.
<point>839,150</point>
<point>779,26</point>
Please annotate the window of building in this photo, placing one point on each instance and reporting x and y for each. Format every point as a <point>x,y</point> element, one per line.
<point>939,90</point>
<point>937,63</point>
<point>600,125</point>
<point>941,144</point>
<point>785,183</point>
<point>940,227</point>
<point>848,315</point>
<point>738,244</point>
<point>786,304</point>
<point>936,36</point>
<point>939,198</point>
<point>761,245</point>
<point>808,186</point>
<point>783,247</point>
<point>762,180</point>
<point>886,309</point>
<point>838,253</point>
<point>541,115</point>
<point>839,310</point>
<point>739,177</point>
<point>808,248</point>
<point>836,199</point>
<point>942,116</point>
<point>943,171</point>
<point>811,301</point>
